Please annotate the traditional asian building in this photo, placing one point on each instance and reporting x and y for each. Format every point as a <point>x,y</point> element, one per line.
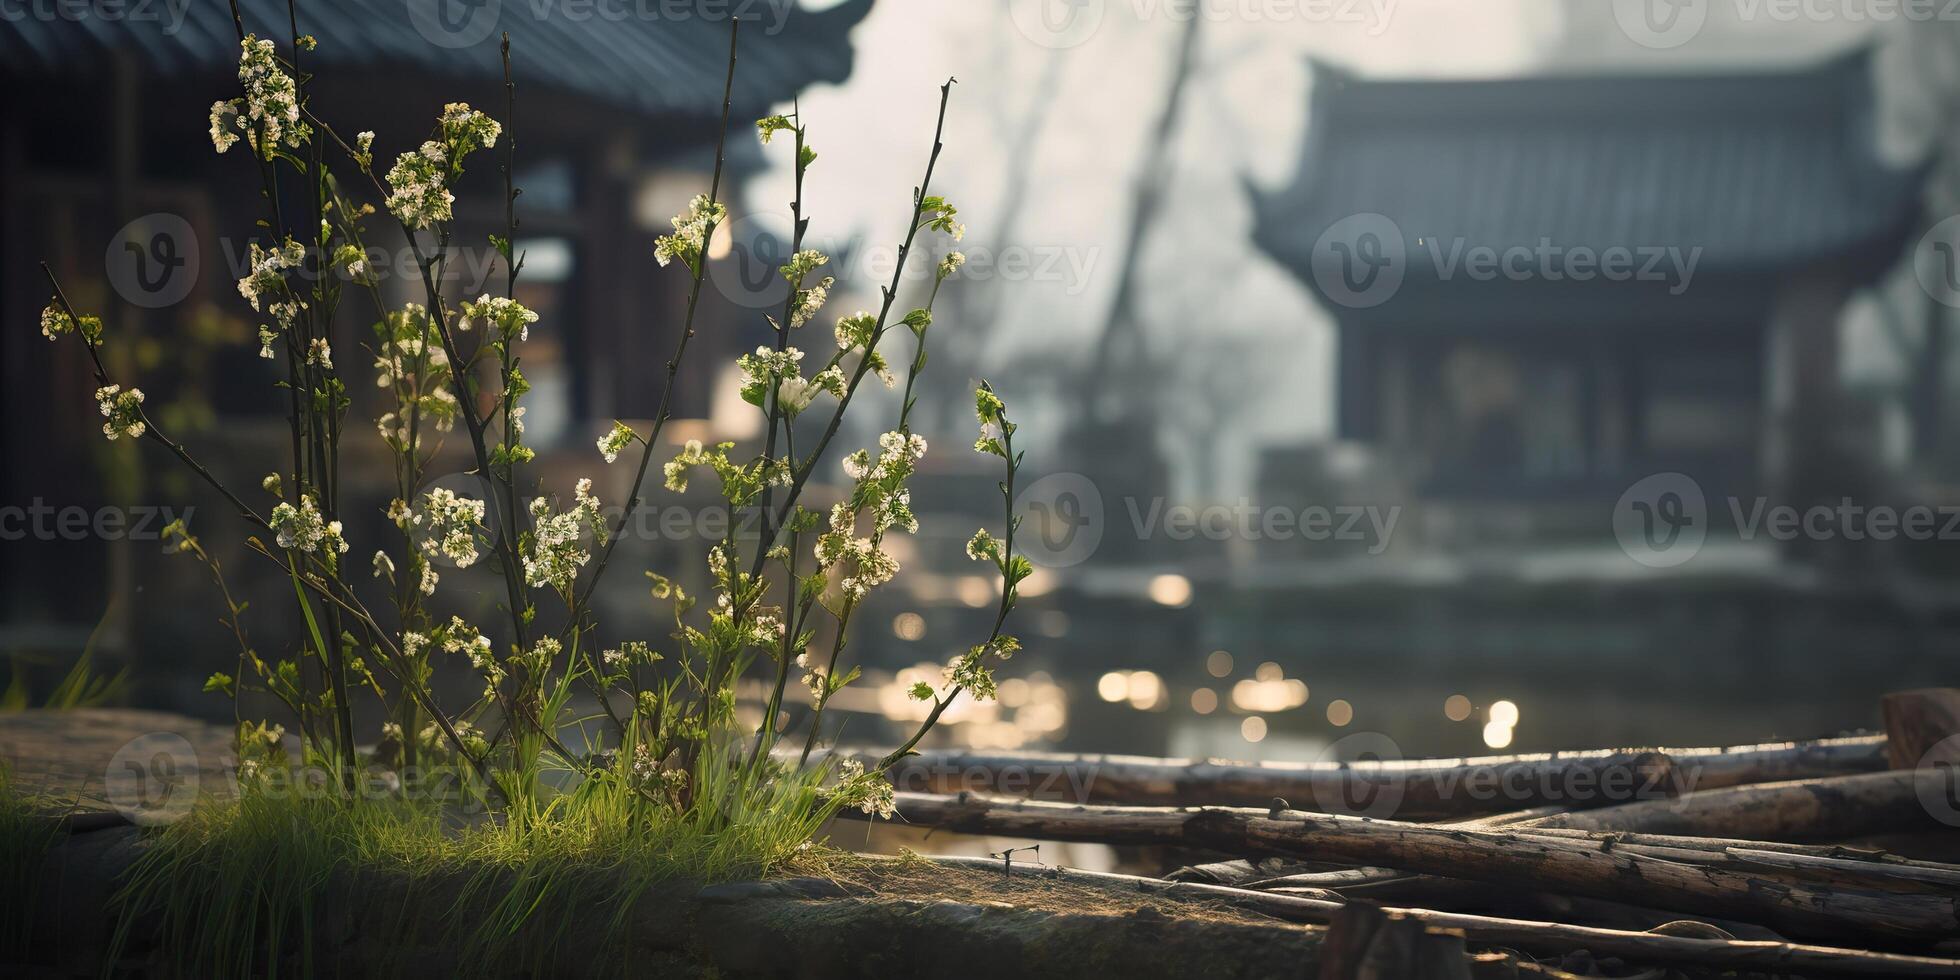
<point>1546,288</point>
<point>107,172</point>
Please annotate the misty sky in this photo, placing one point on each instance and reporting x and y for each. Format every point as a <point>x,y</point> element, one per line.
<point>1223,321</point>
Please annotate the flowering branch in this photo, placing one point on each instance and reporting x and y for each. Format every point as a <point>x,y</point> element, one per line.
<point>970,671</point>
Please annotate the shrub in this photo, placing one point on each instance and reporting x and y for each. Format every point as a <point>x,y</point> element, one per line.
<point>675,763</point>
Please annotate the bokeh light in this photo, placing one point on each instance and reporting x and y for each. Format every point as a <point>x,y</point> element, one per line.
<point>1339,713</point>
<point>1456,707</point>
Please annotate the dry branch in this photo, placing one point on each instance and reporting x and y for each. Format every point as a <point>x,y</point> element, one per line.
<point>1710,886</point>
<point>1836,808</point>
<point>1547,938</point>
<point>1405,789</point>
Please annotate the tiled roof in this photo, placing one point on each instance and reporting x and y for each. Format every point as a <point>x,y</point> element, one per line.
<point>1761,172</point>
<point>648,55</point>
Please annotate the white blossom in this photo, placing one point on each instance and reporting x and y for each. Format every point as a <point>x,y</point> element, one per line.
<point>615,442</point>
<point>123,409</point>
<point>690,231</point>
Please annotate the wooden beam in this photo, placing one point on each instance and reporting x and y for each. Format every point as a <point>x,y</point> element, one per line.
<point>1918,724</point>
<point>1544,938</point>
<point>1428,789</point>
<point>1835,808</point>
<point>1767,896</point>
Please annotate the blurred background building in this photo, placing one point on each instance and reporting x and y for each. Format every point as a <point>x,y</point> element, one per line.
<point>1275,502</point>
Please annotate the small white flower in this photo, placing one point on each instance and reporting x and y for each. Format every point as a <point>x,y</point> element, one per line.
<point>123,409</point>
<point>615,442</point>
<point>690,231</point>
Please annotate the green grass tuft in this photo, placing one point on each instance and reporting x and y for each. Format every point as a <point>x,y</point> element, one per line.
<point>268,884</point>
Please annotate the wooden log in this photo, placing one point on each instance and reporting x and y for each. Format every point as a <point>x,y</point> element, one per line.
<point>1549,938</point>
<point>1542,862</point>
<point>1351,930</point>
<point>1367,943</point>
<point>1918,724</point>
<point>1834,808</point>
<point>1424,789</point>
<point>1824,862</point>
<point>1420,789</point>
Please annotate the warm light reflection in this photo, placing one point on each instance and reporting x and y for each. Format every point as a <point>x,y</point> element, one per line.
<point>1497,736</point>
<point>1114,686</point>
<point>1146,690</point>
<point>1269,671</point>
<point>909,626</point>
<point>1170,590</point>
<point>1204,700</point>
<point>1026,710</point>
<point>1013,692</point>
<point>1456,707</point>
<point>1268,696</point>
<point>975,590</point>
<point>1253,729</point>
<point>1339,712</point>
<point>1504,713</point>
<point>1219,664</point>
<point>1051,623</point>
